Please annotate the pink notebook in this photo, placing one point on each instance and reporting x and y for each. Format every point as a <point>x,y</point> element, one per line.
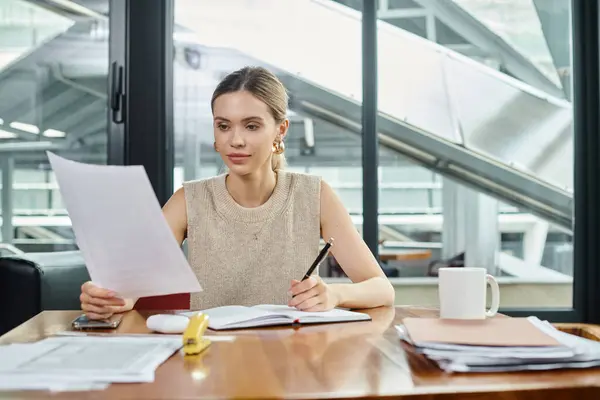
<point>488,332</point>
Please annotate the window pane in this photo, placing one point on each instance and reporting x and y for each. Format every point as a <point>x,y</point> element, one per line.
<point>393,4</point>
<point>465,93</point>
<point>477,98</point>
<point>53,71</point>
<point>225,36</point>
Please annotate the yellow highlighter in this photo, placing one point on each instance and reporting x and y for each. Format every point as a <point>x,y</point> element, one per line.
<point>194,341</point>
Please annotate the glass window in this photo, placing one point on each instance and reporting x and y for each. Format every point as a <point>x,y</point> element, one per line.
<point>393,4</point>
<point>53,69</point>
<point>460,92</point>
<point>523,121</point>
<point>229,35</point>
<point>417,25</point>
<point>520,23</point>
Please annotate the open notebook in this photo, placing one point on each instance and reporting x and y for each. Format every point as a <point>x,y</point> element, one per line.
<point>235,317</point>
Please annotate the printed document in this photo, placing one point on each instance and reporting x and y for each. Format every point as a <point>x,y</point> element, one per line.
<point>124,238</point>
<point>62,362</point>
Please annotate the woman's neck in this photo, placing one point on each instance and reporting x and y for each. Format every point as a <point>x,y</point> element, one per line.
<point>251,190</point>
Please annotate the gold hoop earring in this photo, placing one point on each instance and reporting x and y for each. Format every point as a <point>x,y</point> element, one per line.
<point>278,147</point>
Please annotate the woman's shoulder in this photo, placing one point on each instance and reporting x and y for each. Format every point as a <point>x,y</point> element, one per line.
<point>201,182</point>
<point>302,185</point>
<point>197,189</point>
<point>302,180</point>
<point>301,176</point>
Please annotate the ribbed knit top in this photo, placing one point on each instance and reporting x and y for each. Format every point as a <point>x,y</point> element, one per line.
<point>248,256</point>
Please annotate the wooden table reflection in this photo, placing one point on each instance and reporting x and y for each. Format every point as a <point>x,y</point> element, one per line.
<point>346,360</point>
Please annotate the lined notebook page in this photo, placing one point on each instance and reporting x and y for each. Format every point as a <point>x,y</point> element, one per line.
<point>331,315</point>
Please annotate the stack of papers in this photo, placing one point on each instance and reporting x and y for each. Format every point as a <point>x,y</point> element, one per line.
<point>83,362</point>
<point>498,345</point>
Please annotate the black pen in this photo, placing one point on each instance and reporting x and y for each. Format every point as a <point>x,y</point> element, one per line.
<point>319,259</point>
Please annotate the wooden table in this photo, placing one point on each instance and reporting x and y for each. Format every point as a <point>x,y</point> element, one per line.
<point>404,254</point>
<point>350,360</point>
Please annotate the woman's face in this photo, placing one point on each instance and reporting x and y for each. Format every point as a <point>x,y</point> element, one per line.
<point>245,131</point>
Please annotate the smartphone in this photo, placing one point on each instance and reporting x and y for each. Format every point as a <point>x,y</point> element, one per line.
<point>82,322</point>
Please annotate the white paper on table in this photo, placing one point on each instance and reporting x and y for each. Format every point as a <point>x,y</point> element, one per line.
<point>124,238</point>
<point>460,367</point>
<point>27,382</point>
<point>212,338</point>
<point>14,355</point>
<point>71,359</point>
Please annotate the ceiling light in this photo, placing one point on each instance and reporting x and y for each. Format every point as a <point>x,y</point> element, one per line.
<point>7,135</point>
<point>309,132</point>
<point>25,127</point>
<point>53,133</point>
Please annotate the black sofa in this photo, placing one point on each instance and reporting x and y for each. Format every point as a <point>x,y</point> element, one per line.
<point>35,282</point>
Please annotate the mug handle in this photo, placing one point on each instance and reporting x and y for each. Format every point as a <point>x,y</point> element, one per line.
<point>495,296</point>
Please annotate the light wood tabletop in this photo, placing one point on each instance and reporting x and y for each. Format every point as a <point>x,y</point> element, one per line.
<point>344,361</point>
<point>404,254</point>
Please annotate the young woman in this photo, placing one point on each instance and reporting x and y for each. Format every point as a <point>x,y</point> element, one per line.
<point>253,232</point>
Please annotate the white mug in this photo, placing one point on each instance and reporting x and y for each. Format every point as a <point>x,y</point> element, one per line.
<point>462,293</point>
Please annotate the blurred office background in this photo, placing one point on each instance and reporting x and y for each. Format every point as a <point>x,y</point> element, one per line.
<point>475,122</point>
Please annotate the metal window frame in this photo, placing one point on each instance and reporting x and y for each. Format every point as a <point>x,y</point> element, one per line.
<point>586,100</point>
<point>586,280</point>
<point>370,140</point>
<point>140,87</point>
<point>146,135</point>
<point>586,226</point>
<point>116,55</point>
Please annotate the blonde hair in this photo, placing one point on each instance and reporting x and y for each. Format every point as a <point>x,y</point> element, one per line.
<point>266,87</point>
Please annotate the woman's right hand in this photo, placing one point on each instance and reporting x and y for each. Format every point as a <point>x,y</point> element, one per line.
<point>99,303</point>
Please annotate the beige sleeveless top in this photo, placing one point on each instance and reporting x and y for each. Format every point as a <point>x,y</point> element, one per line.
<point>248,256</point>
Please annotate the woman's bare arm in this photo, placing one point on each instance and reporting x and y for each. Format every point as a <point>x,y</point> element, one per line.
<point>175,213</point>
<point>371,288</point>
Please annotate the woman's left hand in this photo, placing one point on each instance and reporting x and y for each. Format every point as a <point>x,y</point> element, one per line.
<point>312,294</point>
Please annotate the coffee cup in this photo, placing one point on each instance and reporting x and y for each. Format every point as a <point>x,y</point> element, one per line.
<point>462,293</point>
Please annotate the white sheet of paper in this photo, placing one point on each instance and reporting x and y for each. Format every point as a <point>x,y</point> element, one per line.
<point>29,382</point>
<point>125,240</point>
<point>71,359</point>
<point>216,338</point>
